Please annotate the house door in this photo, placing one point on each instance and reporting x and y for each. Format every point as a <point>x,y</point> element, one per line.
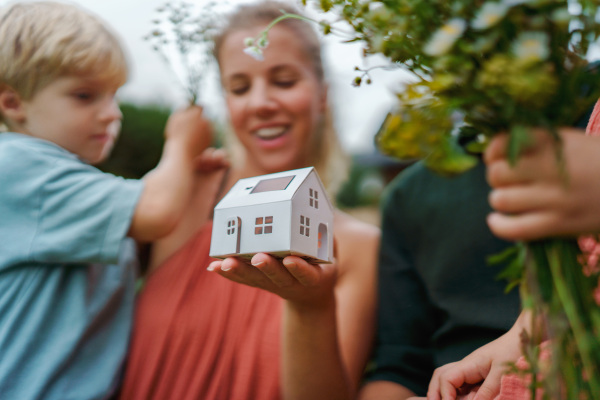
<point>234,235</point>
<point>323,251</point>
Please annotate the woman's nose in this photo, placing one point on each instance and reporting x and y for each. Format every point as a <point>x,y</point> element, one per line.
<point>261,100</point>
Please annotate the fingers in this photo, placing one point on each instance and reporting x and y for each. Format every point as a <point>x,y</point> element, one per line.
<point>490,387</point>
<point>529,226</point>
<point>268,272</point>
<point>211,159</point>
<point>273,269</point>
<point>497,149</point>
<point>306,274</point>
<point>447,380</point>
<point>527,198</point>
<point>241,272</point>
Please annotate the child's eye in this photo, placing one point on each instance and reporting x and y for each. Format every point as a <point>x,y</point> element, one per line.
<point>83,96</point>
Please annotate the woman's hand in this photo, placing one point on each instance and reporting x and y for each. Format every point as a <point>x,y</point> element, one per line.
<point>292,278</point>
<point>539,197</point>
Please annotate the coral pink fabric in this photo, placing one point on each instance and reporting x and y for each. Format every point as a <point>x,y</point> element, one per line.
<point>198,335</point>
<point>514,387</point>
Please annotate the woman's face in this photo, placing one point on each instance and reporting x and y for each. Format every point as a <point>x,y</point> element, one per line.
<point>274,105</point>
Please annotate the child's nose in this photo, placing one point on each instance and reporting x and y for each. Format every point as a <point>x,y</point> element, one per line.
<point>111,111</point>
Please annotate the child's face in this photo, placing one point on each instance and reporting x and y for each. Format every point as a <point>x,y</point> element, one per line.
<point>78,114</point>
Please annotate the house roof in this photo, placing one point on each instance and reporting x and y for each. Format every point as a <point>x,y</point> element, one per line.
<point>271,188</point>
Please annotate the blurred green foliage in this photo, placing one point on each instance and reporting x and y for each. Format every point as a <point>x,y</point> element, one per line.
<point>139,146</point>
<point>363,187</point>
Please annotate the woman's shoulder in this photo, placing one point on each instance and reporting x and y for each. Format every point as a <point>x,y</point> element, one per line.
<point>352,228</point>
<point>357,241</point>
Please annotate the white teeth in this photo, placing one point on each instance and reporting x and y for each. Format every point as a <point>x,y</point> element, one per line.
<point>268,133</point>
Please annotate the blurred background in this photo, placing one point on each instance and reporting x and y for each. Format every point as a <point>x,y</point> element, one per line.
<point>154,90</point>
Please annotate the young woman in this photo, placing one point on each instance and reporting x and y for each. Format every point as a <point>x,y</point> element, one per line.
<point>291,329</point>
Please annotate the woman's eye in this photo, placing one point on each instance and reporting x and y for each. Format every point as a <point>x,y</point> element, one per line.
<point>285,83</point>
<point>238,90</point>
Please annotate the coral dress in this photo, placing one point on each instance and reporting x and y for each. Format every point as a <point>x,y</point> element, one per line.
<point>198,335</point>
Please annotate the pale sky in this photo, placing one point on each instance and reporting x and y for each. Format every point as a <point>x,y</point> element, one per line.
<point>358,111</point>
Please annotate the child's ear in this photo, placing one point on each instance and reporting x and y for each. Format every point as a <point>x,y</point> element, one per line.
<point>11,105</point>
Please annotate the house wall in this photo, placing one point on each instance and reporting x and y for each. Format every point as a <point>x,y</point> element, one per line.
<point>251,242</point>
<point>307,215</point>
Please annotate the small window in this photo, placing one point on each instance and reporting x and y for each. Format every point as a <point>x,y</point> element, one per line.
<point>304,226</point>
<point>231,226</point>
<point>263,225</point>
<point>313,200</point>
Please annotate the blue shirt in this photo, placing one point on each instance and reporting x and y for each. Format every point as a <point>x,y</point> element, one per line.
<point>67,272</point>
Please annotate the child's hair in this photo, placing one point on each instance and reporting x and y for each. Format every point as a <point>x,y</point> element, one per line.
<point>328,157</point>
<point>42,41</point>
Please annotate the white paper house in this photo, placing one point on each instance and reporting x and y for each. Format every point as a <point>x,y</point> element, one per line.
<point>280,214</point>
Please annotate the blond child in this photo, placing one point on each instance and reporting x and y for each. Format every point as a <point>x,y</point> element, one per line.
<point>67,266</point>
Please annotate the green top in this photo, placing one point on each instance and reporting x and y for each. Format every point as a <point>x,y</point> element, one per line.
<point>438,298</point>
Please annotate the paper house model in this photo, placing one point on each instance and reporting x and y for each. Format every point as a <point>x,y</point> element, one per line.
<point>286,213</point>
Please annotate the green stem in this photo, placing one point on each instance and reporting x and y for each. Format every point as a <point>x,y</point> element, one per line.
<point>573,316</point>
<point>286,16</point>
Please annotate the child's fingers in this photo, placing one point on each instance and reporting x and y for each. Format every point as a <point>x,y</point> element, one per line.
<point>211,159</point>
<point>435,384</point>
<point>490,388</point>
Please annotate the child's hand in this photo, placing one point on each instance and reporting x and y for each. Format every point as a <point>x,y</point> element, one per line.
<point>480,371</point>
<point>535,199</point>
<point>211,160</point>
<point>190,127</point>
<point>293,278</point>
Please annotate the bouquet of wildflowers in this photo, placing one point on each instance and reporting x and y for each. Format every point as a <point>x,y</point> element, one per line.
<point>499,66</point>
<point>182,37</point>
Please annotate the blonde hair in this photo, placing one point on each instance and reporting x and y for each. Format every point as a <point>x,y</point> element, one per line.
<point>42,41</point>
<point>328,157</point>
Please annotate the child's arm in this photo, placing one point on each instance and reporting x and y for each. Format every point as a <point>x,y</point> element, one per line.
<point>534,199</point>
<point>485,365</point>
<point>168,187</point>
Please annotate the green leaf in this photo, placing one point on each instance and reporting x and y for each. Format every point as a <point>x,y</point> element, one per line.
<point>518,141</point>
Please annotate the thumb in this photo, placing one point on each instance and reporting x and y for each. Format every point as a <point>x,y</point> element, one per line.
<point>490,388</point>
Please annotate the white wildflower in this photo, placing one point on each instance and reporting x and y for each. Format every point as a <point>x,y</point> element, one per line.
<point>254,52</point>
<point>489,15</point>
<point>533,46</point>
<point>249,41</point>
<point>263,42</point>
<point>445,37</point>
